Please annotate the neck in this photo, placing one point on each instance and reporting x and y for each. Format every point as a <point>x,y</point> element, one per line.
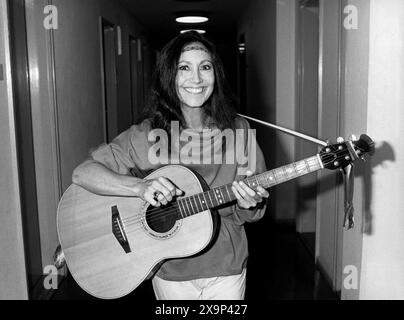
<point>194,117</point>
<point>221,195</point>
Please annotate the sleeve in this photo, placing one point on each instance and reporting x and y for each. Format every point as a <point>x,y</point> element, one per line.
<point>117,155</point>
<point>256,164</point>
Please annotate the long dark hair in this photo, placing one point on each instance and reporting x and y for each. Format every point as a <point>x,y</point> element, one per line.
<point>163,104</point>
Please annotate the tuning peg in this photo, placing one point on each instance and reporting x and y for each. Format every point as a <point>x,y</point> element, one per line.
<point>353,138</point>
<point>340,140</point>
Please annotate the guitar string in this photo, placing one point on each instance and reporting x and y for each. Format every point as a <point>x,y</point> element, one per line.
<point>160,212</point>
<point>221,189</point>
<point>157,213</point>
<point>176,210</point>
<point>224,187</point>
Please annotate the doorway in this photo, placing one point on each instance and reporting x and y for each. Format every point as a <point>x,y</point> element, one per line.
<point>110,89</point>
<point>307,115</point>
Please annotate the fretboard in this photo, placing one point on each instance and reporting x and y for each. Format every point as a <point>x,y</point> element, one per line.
<point>222,195</point>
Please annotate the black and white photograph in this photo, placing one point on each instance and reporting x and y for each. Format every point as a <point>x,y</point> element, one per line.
<point>169,152</point>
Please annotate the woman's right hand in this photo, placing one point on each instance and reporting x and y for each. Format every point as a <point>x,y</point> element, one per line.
<point>158,191</point>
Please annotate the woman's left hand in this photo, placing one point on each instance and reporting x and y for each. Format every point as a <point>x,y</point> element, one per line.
<point>246,197</point>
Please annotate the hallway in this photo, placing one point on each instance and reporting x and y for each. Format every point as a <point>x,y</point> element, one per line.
<point>75,74</point>
<point>288,273</point>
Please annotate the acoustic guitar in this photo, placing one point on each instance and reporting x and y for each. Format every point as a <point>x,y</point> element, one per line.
<point>112,244</point>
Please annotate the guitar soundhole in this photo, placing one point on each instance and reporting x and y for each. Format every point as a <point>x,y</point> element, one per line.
<point>161,219</point>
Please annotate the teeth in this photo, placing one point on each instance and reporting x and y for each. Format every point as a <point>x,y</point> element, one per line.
<point>194,90</point>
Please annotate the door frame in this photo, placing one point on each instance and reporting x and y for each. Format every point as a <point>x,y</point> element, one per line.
<point>329,229</point>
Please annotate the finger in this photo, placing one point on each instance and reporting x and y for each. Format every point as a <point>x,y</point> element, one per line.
<point>240,201</point>
<point>162,199</point>
<point>165,182</point>
<point>178,192</point>
<point>249,173</point>
<point>249,201</point>
<point>150,199</point>
<point>236,193</point>
<point>247,189</point>
<point>263,192</point>
<point>240,190</point>
<point>162,189</point>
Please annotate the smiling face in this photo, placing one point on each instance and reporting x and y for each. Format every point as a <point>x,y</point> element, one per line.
<point>195,78</point>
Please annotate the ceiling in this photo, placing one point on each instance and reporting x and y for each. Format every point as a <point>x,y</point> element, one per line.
<point>158,17</point>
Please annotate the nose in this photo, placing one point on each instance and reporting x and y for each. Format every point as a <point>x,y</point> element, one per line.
<point>196,77</point>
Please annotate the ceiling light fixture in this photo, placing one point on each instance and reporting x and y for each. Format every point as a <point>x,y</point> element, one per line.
<point>197,30</point>
<point>192,19</point>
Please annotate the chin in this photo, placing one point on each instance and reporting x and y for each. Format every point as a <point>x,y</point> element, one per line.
<point>195,104</point>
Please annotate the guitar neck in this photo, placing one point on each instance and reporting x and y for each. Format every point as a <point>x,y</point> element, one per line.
<point>222,195</point>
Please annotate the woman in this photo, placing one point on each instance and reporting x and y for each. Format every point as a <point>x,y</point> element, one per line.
<point>189,89</point>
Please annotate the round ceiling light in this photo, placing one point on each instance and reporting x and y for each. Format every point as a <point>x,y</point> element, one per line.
<point>197,30</point>
<point>192,19</point>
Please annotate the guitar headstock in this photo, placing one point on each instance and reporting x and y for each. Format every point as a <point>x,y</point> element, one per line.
<point>340,155</point>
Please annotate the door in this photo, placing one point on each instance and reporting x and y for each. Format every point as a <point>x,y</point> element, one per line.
<point>307,115</point>
<point>108,47</point>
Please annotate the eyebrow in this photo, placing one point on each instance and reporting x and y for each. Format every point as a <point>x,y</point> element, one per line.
<point>206,60</point>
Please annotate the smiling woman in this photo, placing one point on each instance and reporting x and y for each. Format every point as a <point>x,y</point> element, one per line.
<point>189,92</point>
<point>189,73</point>
<point>195,78</point>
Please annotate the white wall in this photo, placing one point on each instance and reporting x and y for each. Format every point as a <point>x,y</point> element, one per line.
<point>382,274</point>
<point>13,281</point>
<point>374,100</point>
<point>354,121</point>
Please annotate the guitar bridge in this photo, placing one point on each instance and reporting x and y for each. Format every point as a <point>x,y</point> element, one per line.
<point>118,230</point>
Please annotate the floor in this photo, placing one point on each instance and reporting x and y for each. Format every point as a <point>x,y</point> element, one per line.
<point>282,269</point>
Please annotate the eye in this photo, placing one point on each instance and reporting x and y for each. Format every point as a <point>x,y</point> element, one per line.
<point>183,68</point>
<point>206,67</point>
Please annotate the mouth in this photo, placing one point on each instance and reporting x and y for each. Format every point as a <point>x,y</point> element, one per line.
<point>195,90</point>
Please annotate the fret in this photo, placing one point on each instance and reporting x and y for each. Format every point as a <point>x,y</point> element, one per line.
<point>181,201</point>
<point>180,209</point>
<point>295,168</point>
<point>226,187</point>
<point>290,172</point>
<point>268,184</point>
<point>216,203</point>
<point>189,208</point>
<point>314,165</point>
<point>271,178</point>
<point>193,205</point>
<point>278,175</point>
<point>301,167</point>
<point>198,202</point>
<point>262,180</point>
<point>204,204</point>
<point>259,182</point>
<point>219,196</point>
<point>256,183</point>
<point>307,165</point>
<point>285,174</point>
<point>210,198</point>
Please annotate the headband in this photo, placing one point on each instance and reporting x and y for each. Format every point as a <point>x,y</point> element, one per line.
<point>194,47</point>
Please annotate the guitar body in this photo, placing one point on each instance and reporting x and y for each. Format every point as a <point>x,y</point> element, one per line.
<point>111,244</point>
